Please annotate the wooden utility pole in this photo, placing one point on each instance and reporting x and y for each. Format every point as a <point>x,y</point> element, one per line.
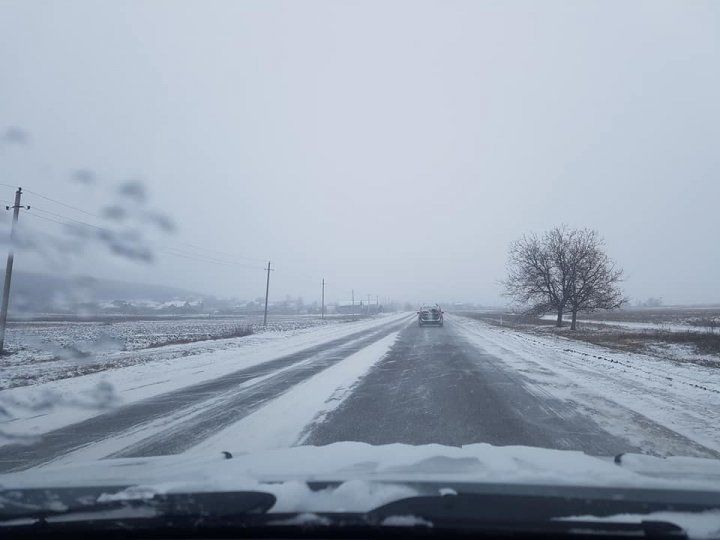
<point>8,270</point>
<point>322,309</point>
<point>267,292</point>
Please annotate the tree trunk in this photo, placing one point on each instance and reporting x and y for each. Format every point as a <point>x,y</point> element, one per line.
<point>559,317</point>
<point>574,320</point>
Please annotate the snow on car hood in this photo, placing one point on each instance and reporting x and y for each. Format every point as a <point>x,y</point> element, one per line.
<point>367,476</point>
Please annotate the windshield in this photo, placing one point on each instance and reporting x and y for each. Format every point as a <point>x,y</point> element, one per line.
<point>406,241</point>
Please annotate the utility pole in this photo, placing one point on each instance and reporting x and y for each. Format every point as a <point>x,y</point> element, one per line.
<point>267,292</point>
<point>322,309</point>
<point>8,270</point>
<point>353,303</point>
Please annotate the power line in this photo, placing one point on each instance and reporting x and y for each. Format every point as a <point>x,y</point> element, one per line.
<point>180,252</point>
<point>208,258</point>
<point>80,222</point>
<point>63,204</point>
<point>167,249</point>
<point>102,228</point>
<point>228,254</point>
<point>176,252</point>
<point>202,258</point>
<point>70,219</point>
<point>49,219</point>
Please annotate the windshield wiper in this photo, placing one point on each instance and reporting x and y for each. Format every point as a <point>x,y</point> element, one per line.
<point>39,506</point>
<point>462,513</point>
<point>534,514</point>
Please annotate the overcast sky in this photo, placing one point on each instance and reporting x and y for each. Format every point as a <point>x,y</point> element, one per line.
<point>396,148</point>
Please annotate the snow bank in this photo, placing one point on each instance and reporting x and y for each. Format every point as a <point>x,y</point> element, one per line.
<point>628,395</point>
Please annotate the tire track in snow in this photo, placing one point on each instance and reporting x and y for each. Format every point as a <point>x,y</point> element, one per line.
<point>237,405</point>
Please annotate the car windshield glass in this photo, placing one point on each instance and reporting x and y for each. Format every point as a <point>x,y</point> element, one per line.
<point>327,256</point>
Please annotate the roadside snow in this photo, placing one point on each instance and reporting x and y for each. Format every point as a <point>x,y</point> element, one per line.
<point>46,351</point>
<point>627,394</point>
<point>40,408</point>
<point>287,420</point>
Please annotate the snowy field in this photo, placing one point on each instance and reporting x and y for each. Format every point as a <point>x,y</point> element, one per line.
<point>661,326</point>
<point>47,405</point>
<point>679,334</point>
<point>45,351</point>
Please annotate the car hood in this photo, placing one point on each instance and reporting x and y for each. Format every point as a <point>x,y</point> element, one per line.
<point>361,475</point>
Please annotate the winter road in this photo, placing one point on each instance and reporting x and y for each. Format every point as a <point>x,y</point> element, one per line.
<point>391,383</point>
<point>434,387</point>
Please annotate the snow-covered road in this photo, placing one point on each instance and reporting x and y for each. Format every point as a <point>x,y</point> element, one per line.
<point>379,381</point>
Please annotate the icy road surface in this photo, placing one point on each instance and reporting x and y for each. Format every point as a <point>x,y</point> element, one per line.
<point>384,381</point>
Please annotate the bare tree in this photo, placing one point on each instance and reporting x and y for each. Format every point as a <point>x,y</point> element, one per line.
<point>564,271</point>
<point>593,277</point>
<point>533,277</point>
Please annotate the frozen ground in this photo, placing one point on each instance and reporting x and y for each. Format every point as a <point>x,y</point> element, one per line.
<point>44,406</point>
<point>662,326</point>
<point>47,351</point>
<point>628,394</point>
<point>680,335</point>
<point>378,381</point>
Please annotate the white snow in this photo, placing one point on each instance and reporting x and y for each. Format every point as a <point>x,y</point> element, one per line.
<point>283,421</point>
<point>620,391</point>
<point>405,521</point>
<point>30,416</point>
<point>638,325</point>
<point>278,424</point>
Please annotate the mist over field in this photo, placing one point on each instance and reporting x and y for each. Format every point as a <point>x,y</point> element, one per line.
<point>395,149</point>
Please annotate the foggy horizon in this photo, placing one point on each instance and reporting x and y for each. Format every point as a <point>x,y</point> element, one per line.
<point>396,155</point>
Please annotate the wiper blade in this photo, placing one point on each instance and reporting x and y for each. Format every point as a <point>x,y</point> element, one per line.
<point>42,505</point>
<point>513,507</point>
<point>535,514</point>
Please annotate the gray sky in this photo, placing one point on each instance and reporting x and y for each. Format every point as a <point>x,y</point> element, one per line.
<point>393,147</point>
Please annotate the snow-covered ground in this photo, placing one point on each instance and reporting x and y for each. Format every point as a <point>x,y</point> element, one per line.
<point>638,325</point>
<point>47,351</point>
<point>280,424</point>
<point>660,406</point>
<point>36,409</point>
<point>618,390</point>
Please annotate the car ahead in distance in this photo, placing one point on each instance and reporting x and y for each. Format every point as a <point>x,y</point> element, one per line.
<point>430,315</point>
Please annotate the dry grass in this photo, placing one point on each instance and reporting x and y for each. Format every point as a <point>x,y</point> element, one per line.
<point>653,342</point>
<point>239,331</point>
